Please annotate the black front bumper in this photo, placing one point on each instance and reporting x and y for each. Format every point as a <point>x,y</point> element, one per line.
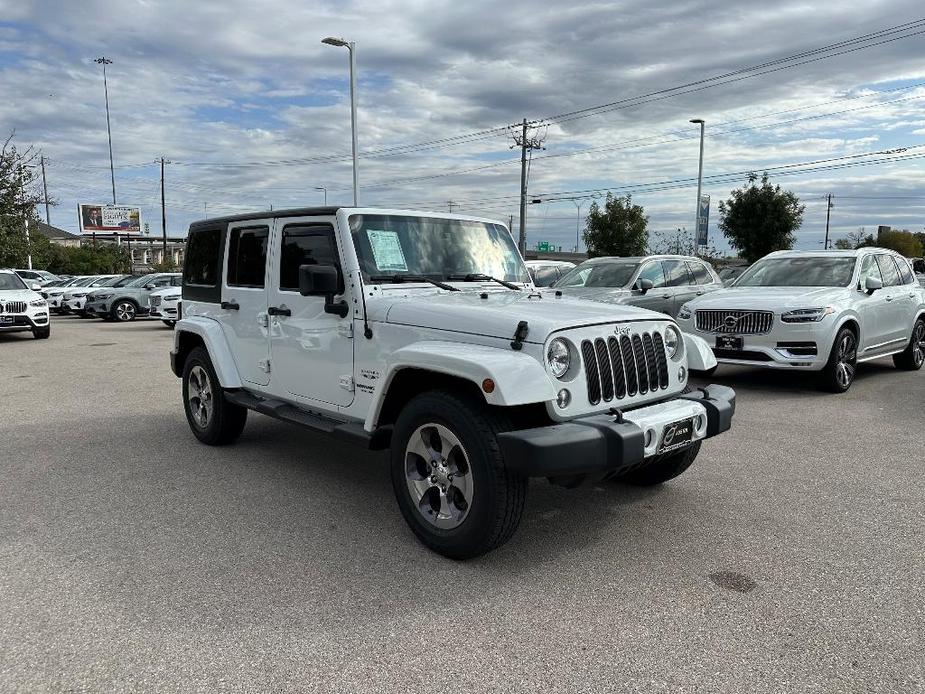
<point>598,444</point>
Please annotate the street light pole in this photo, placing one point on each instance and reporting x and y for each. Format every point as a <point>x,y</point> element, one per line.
<point>325,194</point>
<point>104,61</point>
<point>351,47</point>
<point>577,204</point>
<point>699,189</point>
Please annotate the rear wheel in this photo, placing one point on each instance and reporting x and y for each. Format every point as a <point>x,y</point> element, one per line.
<point>452,485</point>
<point>914,355</point>
<point>213,420</point>
<point>839,371</point>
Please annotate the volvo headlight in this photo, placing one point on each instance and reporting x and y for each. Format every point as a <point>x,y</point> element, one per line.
<point>38,303</point>
<point>672,342</point>
<point>807,315</point>
<point>100,297</point>
<point>685,312</point>
<point>558,357</point>
<point>79,295</point>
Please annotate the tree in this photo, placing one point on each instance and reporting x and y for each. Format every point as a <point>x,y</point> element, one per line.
<point>858,239</point>
<point>18,201</point>
<point>844,244</point>
<point>760,218</point>
<point>903,242</point>
<point>620,228</point>
<point>680,242</point>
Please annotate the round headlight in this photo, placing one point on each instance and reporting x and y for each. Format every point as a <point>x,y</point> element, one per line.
<point>672,342</point>
<point>558,357</point>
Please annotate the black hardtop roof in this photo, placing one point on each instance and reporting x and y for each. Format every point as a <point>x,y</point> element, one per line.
<point>264,214</point>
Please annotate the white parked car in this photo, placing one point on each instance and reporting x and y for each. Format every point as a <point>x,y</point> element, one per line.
<point>822,311</point>
<point>74,299</point>
<point>545,272</point>
<point>21,308</point>
<point>423,335</point>
<point>40,277</point>
<point>164,304</point>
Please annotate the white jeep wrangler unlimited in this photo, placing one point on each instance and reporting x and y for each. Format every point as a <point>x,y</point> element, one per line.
<point>424,335</point>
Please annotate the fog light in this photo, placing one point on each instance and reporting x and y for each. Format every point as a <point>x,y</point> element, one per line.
<point>563,398</point>
<point>650,436</point>
<point>701,422</point>
<point>682,373</point>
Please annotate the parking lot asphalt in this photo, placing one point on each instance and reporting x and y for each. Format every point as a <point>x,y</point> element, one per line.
<point>790,558</point>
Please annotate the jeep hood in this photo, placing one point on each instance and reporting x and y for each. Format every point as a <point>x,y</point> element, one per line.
<point>607,295</point>
<point>776,299</point>
<point>498,314</point>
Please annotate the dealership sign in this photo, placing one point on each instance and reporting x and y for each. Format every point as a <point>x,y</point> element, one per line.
<point>117,219</point>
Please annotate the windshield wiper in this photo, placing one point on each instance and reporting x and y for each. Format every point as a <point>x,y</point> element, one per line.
<point>397,278</point>
<point>477,277</point>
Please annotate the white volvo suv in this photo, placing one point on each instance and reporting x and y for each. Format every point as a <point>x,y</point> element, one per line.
<point>819,311</point>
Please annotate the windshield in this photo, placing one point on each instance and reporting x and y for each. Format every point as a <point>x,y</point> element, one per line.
<point>10,281</point>
<point>799,272</point>
<point>140,281</point>
<point>117,281</point>
<point>599,275</point>
<point>434,247</point>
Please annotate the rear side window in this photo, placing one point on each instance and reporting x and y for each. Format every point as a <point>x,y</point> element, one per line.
<point>203,257</point>
<point>889,271</point>
<point>304,244</point>
<point>247,256</point>
<point>676,273</point>
<point>905,271</point>
<point>700,273</point>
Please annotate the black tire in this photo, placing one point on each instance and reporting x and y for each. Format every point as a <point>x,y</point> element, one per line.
<point>661,468</point>
<point>124,310</point>
<point>226,420</point>
<point>41,333</point>
<point>169,323</point>
<point>914,355</point>
<point>704,374</point>
<point>839,371</point>
<point>498,496</point>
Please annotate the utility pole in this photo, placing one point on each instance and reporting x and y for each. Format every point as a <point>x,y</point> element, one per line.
<point>450,204</point>
<point>828,215</point>
<point>45,188</point>
<point>526,144</point>
<point>163,209</point>
<point>104,61</point>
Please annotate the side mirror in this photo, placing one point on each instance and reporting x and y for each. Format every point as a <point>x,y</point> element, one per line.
<point>644,285</point>
<point>36,286</point>
<point>323,280</point>
<point>872,284</point>
<point>149,287</point>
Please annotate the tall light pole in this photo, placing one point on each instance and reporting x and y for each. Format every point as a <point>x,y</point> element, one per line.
<point>699,188</point>
<point>351,47</point>
<point>104,61</point>
<point>325,194</point>
<point>577,204</point>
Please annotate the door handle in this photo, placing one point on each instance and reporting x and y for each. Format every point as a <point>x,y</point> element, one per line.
<point>666,296</point>
<point>700,293</point>
<point>278,311</point>
<point>230,305</point>
<point>889,298</point>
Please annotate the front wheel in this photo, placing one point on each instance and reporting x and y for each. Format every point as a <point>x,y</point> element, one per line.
<point>41,333</point>
<point>124,311</point>
<point>839,371</point>
<point>914,355</point>
<point>169,323</point>
<point>449,476</point>
<point>213,420</point>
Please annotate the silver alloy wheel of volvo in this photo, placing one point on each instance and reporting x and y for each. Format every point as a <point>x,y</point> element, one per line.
<point>846,360</point>
<point>918,343</point>
<point>125,311</point>
<point>438,476</point>
<point>200,396</point>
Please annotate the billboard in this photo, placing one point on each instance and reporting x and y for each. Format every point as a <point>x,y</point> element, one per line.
<point>109,219</point>
<point>703,220</point>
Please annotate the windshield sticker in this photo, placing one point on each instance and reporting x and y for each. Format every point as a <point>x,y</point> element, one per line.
<point>387,252</point>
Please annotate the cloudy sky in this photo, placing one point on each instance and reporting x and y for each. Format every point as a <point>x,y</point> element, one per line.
<point>252,110</point>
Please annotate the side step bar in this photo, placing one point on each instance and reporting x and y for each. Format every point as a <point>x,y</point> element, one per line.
<point>351,432</point>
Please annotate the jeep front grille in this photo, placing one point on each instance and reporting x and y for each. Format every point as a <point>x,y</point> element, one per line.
<point>13,307</point>
<point>738,322</point>
<point>626,366</point>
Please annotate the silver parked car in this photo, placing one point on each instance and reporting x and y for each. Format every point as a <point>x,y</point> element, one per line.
<point>662,283</point>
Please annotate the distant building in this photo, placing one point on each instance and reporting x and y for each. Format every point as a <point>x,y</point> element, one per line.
<point>146,251</point>
<point>56,235</point>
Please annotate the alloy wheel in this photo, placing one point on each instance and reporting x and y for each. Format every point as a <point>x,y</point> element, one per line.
<point>438,476</point>
<point>918,343</point>
<point>125,311</point>
<point>846,360</point>
<point>199,395</point>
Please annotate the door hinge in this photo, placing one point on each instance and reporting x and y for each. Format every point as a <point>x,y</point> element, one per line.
<point>346,382</point>
<point>264,365</point>
<point>345,330</point>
